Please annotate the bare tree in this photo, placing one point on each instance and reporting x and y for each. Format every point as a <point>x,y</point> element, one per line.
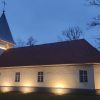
<point>94,2</point>
<point>73,33</point>
<point>31,41</point>
<point>96,20</point>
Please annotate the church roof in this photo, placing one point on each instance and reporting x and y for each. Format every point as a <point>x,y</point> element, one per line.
<point>5,33</point>
<point>71,52</point>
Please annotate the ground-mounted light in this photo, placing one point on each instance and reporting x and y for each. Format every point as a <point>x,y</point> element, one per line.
<point>60,91</point>
<point>6,89</point>
<point>26,89</point>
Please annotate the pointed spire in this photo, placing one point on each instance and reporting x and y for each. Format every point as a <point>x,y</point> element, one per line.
<point>4,5</point>
<point>5,33</point>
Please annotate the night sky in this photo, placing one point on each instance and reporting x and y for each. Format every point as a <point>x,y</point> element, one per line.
<point>46,19</point>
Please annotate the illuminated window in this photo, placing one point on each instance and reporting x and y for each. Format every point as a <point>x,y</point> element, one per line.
<point>17,77</point>
<point>40,77</point>
<point>83,76</point>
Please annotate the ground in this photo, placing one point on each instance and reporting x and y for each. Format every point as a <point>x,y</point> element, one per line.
<point>45,96</point>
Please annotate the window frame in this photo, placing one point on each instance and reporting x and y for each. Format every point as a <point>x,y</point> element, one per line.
<point>83,76</point>
<point>40,76</point>
<point>17,77</point>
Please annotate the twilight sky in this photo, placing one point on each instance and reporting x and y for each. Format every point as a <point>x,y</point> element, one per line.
<point>46,19</point>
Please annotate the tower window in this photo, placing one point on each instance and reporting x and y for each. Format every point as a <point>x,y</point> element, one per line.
<point>17,77</point>
<point>40,77</point>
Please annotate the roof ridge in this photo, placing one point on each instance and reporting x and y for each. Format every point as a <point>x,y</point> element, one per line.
<point>52,43</point>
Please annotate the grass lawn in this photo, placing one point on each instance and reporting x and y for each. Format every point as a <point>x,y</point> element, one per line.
<point>45,96</point>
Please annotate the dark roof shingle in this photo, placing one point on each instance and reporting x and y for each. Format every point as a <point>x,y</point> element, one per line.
<point>77,51</point>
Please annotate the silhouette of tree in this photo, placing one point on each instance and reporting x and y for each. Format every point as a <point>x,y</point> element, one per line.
<point>20,43</point>
<point>96,20</point>
<point>94,2</point>
<point>31,41</point>
<point>72,33</point>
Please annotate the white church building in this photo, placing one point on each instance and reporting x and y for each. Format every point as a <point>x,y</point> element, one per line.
<point>59,68</point>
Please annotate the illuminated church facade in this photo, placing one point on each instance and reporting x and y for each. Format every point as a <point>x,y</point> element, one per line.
<point>60,68</point>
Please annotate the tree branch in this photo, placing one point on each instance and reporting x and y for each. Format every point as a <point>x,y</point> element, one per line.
<point>95,22</point>
<point>94,2</point>
<point>72,33</point>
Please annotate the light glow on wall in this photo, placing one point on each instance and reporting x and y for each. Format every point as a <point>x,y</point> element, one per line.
<point>98,92</point>
<point>60,91</point>
<point>28,84</point>
<point>6,89</point>
<point>26,89</point>
<point>4,48</point>
<point>97,82</point>
<point>7,84</point>
<point>59,85</point>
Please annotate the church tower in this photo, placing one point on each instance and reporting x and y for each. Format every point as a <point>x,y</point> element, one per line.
<point>6,39</point>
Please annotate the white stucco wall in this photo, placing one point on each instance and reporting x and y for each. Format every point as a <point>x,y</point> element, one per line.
<point>60,76</point>
<point>97,76</point>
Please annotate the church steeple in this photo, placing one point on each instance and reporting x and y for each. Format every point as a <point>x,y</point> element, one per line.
<point>6,39</point>
<point>5,33</point>
<point>4,5</point>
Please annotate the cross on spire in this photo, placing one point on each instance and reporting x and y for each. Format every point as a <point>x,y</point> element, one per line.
<point>4,5</point>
